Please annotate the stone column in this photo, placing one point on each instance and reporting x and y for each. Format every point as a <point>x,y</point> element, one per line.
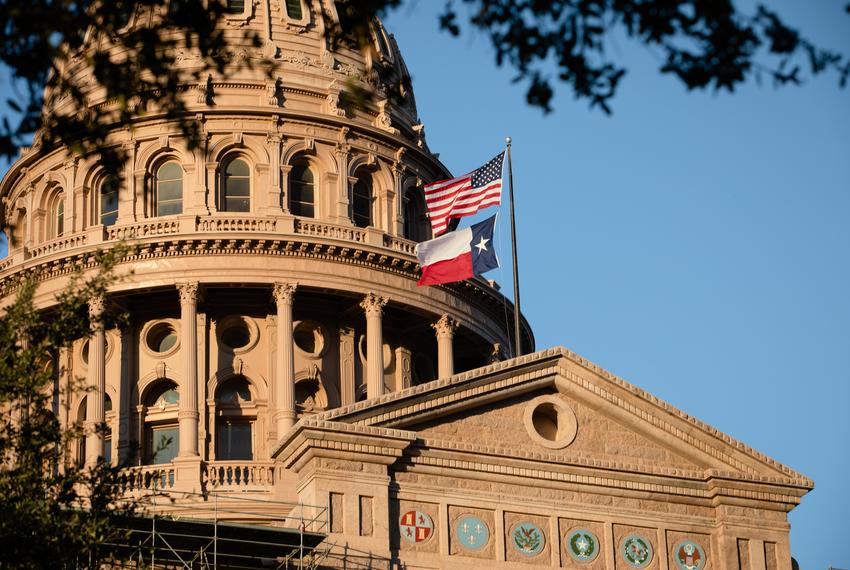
<point>374,307</point>
<point>95,414</point>
<point>445,329</point>
<point>188,415</point>
<point>284,388</point>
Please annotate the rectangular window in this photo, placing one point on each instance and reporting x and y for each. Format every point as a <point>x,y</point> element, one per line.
<point>234,441</point>
<point>162,444</point>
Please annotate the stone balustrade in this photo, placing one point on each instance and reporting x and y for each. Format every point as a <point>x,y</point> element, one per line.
<point>221,475</point>
<point>147,478</point>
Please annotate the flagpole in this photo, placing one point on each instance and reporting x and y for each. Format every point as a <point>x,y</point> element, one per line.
<point>517,337</point>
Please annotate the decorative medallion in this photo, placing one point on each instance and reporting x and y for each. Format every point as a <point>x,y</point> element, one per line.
<point>528,539</point>
<point>689,555</point>
<point>637,551</point>
<point>472,532</point>
<point>582,545</point>
<point>415,526</point>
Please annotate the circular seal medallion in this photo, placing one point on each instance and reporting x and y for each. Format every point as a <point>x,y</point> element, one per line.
<point>689,555</point>
<point>637,551</point>
<point>415,527</point>
<point>472,532</point>
<point>528,539</point>
<point>582,545</point>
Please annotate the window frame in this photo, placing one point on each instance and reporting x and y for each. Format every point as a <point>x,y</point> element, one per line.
<point>223,180</point>
<point>155,191</point>
<point>290,189</point>
<point>366,179</point>
<point>238,412</point>
<point>99,211</point>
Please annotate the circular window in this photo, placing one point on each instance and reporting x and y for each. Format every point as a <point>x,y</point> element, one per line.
<point>161,338</point>
<point>550,422</point>
<point>309,338</point>
<point>84,352</point>
<point>236,337</point>
<point>239,334</point>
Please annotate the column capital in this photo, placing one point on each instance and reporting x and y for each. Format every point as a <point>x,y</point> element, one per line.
<point>373,304</point>
<point>284,292</point>
<point>188,292</point>
<point>446,326</point>
<point>97,304</point>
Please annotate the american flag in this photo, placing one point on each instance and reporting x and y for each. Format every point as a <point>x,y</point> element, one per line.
<point>464,195</point>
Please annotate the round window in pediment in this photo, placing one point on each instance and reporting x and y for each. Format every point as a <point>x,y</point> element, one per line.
<point>550,422</point>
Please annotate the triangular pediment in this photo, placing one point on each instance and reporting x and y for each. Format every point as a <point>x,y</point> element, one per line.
<point>524,408</point>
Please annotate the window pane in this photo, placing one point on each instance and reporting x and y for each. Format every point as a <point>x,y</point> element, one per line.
<point>361,206</point>
<point>237,205</point>
<point>293,9</point>
<point>238,187</point>
<point>60,217</point>
<point>235,6</point>
<point>301,191</point>
<point>238,167</point>
<point>234,440</point>
<point>162,444</point>
<point>170,171</point>
<point>170,208</point>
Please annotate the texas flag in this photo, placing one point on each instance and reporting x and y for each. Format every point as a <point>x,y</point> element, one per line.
<point>458,255</point>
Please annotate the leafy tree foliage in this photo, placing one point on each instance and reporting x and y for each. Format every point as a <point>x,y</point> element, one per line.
<point>53,512</point>
<point>704,43</point>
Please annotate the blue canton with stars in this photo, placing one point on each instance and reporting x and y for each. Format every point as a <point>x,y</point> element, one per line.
<point>483,253</point>
<point>488,173</point>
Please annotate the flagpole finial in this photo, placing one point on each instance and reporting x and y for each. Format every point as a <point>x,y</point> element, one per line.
<point>508,140</point>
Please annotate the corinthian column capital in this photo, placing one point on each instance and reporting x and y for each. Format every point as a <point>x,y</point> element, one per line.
<point>188,293</point>
<point>97,305</point>
<point>284,292</point>
<point>373,304</point>
<point>446,326</point>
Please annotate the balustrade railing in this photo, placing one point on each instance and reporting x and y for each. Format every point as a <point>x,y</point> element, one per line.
<point>319,229</point>
<point>239,474</point>
<point>401,245</point>
<point>143,229</point>
<point>147,478</point>
<point>236,224</point>
<point>58,244</point>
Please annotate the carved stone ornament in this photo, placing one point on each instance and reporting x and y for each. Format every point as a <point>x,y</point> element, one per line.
<point>188,293</point>
<point>284,292</point>
<point>160,370</point>
<point>383,120</point>
<point>373,304</point>
<point>97,305</point>
<point>446,326</point>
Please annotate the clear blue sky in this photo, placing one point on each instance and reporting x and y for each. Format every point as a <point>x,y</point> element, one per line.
<point>697,245</point>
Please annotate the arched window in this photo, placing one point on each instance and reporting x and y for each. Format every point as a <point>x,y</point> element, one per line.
<point>236,187</point>
<point>108,195</point>
<point>301,191</point>
<point>161,435</point>
<point>234,421</point>
<point>415,222</point>
<point>294,10</point>
<point>235,6</point>
<point>361,202</point>
<point>169,189</point>
<point>56,223</point>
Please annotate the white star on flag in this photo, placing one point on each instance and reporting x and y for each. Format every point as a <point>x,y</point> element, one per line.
<point>482,245</point>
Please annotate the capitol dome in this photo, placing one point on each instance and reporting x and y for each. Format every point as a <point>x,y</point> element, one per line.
<point>296,211</point>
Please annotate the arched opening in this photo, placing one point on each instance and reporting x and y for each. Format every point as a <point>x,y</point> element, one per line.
<point>415,220</point>
<point>56,215</point>
<point>161,433</point>
<point>168,191</point>
<point>361,201</point>
<point>108,198</point>
<point>235,415</point>
<point>236,186</point>
<point>302,197</point>
<point>82,415</point>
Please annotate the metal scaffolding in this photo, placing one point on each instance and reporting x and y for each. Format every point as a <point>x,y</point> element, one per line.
<point>219,531</point>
